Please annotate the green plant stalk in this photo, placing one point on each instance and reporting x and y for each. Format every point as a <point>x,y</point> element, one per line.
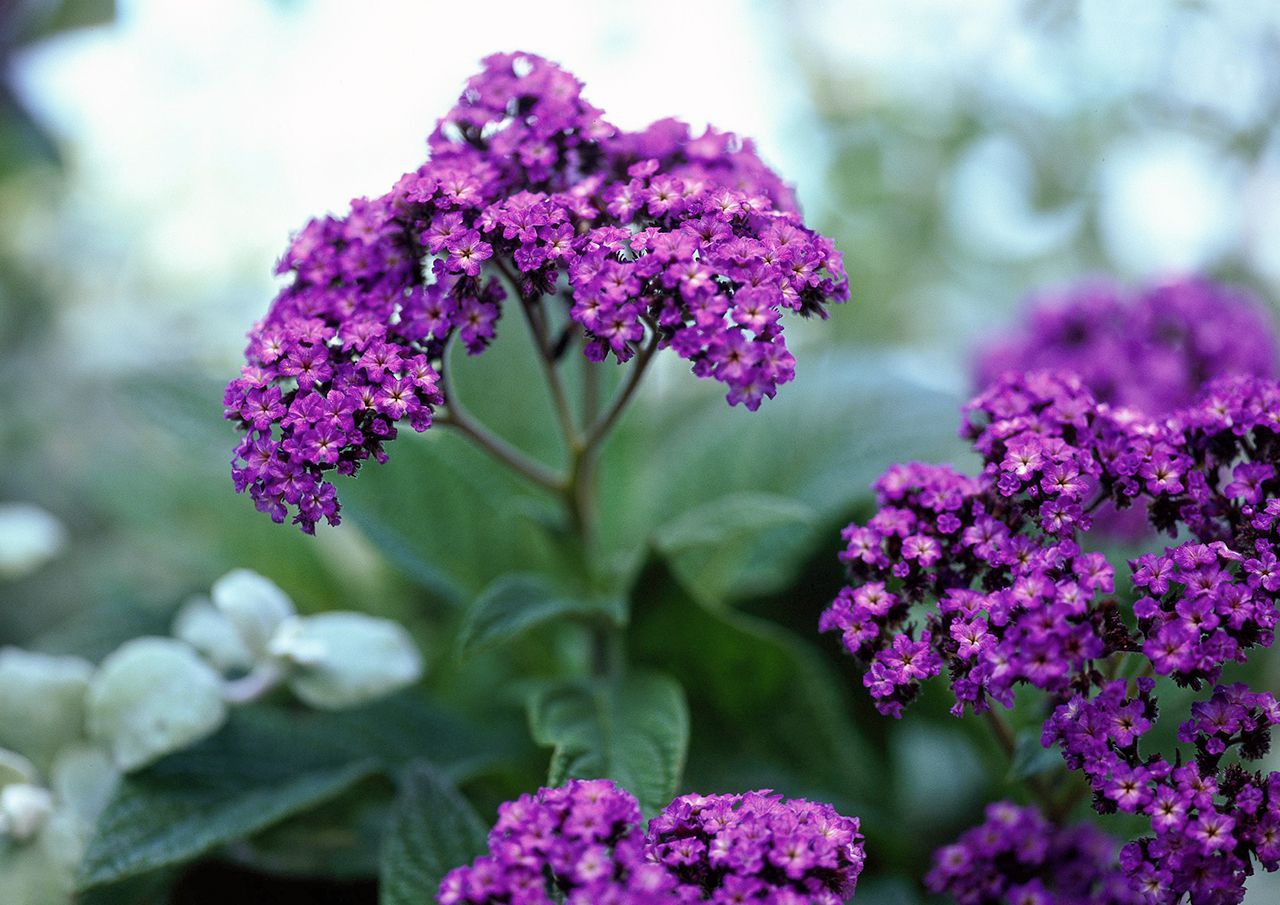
<point>576,488</point>
<point>1055,808</point>
<point>538,331</point>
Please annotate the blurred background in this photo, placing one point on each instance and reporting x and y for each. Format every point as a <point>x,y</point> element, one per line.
<point>155,157</point>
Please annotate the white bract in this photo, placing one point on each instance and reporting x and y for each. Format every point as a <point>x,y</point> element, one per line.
<point>330,661</point>
<point>152,697</point>
<point>351,659</point>
<point>254,605</point>
<point>29,537</point>
<point>83,780</point>
<point>41,703</point>
<point>24,808</point>
<point>292,644</point>
<point>204,627</point>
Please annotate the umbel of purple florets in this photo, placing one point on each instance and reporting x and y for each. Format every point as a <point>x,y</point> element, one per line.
<point>1011,596</point>
<point>583,843</point>
<point>758,847</point>
<point>1208,814</point>
<point>985,577</point>
<point>634,240</point>
<point>1149,348</point>
<point>1016,856</point>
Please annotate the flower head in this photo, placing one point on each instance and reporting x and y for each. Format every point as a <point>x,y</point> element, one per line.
<point>584,841</point>
<point>1006,596</point>
<point>1149,348</point>
<point>1018,856</point>
<point>530,197</point>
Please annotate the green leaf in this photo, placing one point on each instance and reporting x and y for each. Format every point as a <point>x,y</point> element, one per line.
<point>743,543</point>
<point>145,889</point>
<point>440,509</point>
<point>339,840</point>
<point>1031,758</point>
<point>433,830</point>
<point>515,604</point>
<point>258,770</point>
<point>402,728</point>
<point>442,513</point>
<point>53,18</point>
<point>265,765</point>
<point>23,141</point>
<point>101,625</point>
<point>822,442</point>
<point>634,731</point>
<point>740,670</point>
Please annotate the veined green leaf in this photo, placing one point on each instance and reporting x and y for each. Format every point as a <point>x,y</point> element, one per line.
<point>634,730</point>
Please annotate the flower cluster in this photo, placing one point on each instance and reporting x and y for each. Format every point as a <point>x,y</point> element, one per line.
<point>986,578</point>
<point>1017,856</point>
<point>759,847</point>
<point>1203,606</point>
<point>1208,818</point>
<point>998,555</point>
<point>1017,601</point>
<point>584,835</point>
<point>687,239</point>
<point>583,841</point>
<point>1151,348</point>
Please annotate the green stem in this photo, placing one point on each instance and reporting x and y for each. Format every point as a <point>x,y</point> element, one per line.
<point>1004,735</point>
<point>1053,808</point>
<point>576,489</point>
<point>457,417</point>
<point>537,329</point>
<point>590,390</point>
<point>603,425</point>
<point>500,449</point>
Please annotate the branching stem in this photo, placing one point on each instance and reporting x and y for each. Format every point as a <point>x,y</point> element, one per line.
<point>1055,809</point>
<point>457,417</point>
<point>577,487</point>
<point>602,425</point>
<point>538,330</point>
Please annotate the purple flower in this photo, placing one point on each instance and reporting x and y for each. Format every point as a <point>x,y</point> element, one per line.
<point>583,841</point>
<point>1151,348</point>
<point>657,237</point>
<point>985,577</point>
<point>1017,856</point>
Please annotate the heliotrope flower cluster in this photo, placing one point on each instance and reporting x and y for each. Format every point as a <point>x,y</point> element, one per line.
<point>1017,856</point>
<point>584,842</point>
<point>985,577</point>
<point>1149,348</point>
<point>758,847</point>
<point>1208,818</point>
<point>997,556</point>
<point>688,240</point>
